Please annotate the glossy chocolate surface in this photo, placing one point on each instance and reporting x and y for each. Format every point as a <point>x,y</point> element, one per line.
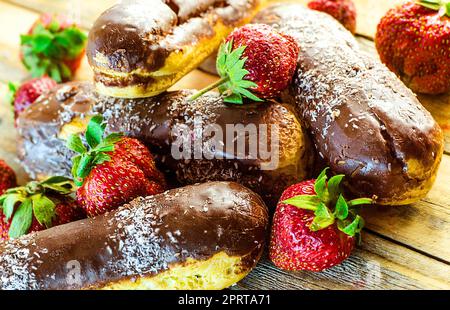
<point>140,239</point>
<point>141,34</point>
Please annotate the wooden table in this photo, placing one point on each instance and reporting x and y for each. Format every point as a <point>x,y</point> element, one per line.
<point>404,247</point>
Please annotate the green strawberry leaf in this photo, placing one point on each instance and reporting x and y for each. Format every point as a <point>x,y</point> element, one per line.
<point>75,144</point>
<point>234,99</point>
<point>38,29</point>
<point>76,39</point>
<point>26,39</point>
<point>320,187</point>
<point>354,227</point>
<point>43,209</point>
<point>110,140</point>
<point>54,26</point>
<point>55,73</point>
<point>343,214</point>
<point>334,186</point>
<point>323,212</point>
<point>2,200</point>
<point>100,158</point>
<point>9,203</point>
<point>85,165</point>
<point>95,131</point>
<point>56,180</point>
<point>65,71</point>
<point>60,185</point>
<point>307,202</point>
<point>235,57</point>
<point>341,211</point>
<point>22,219</point>
<point>107,148</point>
<point>359,202</point>
<point>247,94</point>
<point>232,85</point>
<point>436,5</point>
<point>75,164</point>
<point>41,42</point>
<point>430,4</point>
<point>246,84</point>
<point>323,218</point>
<point>11,93</point>
<point>98,150</point>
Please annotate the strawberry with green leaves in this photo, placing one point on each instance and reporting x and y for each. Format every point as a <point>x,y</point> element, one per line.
<point>21,97</point>
<point>112,170</point>
<point>37,206</point>
<point>256,62</point>
<point>314,227</point>
<point>413,40</point>
<point>54,46</point>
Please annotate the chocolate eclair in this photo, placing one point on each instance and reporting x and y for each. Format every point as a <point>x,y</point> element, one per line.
<point>140,48</point>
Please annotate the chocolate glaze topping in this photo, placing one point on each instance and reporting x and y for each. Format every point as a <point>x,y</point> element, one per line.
<point>141,34</point>
<point>143,238</point>
<point>365,123</point>
<point>152,120</point>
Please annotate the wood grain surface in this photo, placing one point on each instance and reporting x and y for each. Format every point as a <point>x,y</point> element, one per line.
<point>403,247</point>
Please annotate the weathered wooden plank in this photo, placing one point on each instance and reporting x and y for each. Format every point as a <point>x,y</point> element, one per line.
<point>376,264</point>
<point>84,12</point>
<point>11,69</point>
<point>424,226</point>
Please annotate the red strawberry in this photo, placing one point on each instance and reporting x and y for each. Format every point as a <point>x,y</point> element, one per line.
<point>134,151</point>
<point>26,95</point>
<point>37,206</point>
<point>256,62</point>
<point>7,177</point>
<point>342,10</point>
<point>413,40</point>
<point>113,171</point>
<point>307,234</point>
<point>55,46</point>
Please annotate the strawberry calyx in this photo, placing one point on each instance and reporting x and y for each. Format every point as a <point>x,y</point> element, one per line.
<point>230,67</point>
<point>97,149</point>
<point>11,93</point>
<point>36,199</point>
<point>443,6</point>
<point>46,49</point>
<point>330,206</point>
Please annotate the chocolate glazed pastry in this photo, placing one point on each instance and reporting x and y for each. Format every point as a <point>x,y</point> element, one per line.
<point>139,48</point>
<point>284,156</point>
<point>364,122</point>
<point>206,236</point>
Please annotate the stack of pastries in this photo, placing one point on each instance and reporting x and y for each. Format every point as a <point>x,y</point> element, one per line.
<point>343,110</point>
